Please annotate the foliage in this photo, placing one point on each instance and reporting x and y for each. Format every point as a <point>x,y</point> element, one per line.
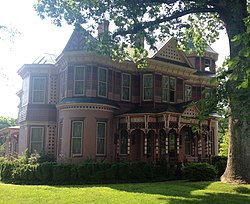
<point>6,121</point>
<point>200,172</point>
<point>220,163</point>
<point>224,145</point>
<point>53,173</point>
<point>152,21</point>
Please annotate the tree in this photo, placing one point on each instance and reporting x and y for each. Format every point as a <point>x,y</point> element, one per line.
<point>6,121</point>
<point>185,19</point>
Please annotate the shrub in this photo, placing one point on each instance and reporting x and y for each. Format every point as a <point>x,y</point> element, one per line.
<point>123,171</point>
<point>62,173</point>
<point>220,163</point>
<point>200,172</point>
<point>44,172</point>
<point>6,170</point>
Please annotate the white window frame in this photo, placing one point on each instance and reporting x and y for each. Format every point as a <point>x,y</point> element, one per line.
<point>31,142</point>
<point>207,93</point>
<point>144,76</point>
<point>126,87</point>
<point>172,78</point>
<point>207,65</point>
<point>104,138</point>
<point>72,137</point>
<point>104,82</point>
<point>79,80</point>
<point>187,97</point>
<point>165,89</point>
<point>44,90</point>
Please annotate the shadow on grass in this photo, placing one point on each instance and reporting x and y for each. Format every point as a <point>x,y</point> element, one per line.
<point>187,192</point>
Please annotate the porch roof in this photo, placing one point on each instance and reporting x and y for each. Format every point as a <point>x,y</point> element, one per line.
<point>174,108</point>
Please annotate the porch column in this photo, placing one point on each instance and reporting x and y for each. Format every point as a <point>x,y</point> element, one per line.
<point>128,150</point>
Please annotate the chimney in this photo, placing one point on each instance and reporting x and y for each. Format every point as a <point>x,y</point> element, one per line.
<point>140,39</point>
<point>103,27</point>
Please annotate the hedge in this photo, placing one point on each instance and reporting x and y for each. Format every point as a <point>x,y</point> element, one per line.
<point>89,173</point>
<point>86,173</point>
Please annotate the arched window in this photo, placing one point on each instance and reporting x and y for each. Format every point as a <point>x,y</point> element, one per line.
<point>188,140</point>
<point>150,142</point>
<point>123,142</point>
<point>172,143</point>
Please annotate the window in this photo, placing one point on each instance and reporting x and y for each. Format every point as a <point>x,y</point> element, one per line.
<point>188,141</point>
<point>207,63</point>
<point>38,90</point>
<point>63,78</point>
<point>150,142</point>
<point>126,81</point>
<point>165,88</point>
<point>60,139</point>
<point>77,136</point>
<point>79,80</point>
<point>101,138</point>
<point>102,82</point>
<point>207,93</point>
<point>147,87</point>
<point>188,92</point>
<point>172,91</point>
<point>172,143</point>
<point>36,139</point>
<point>124,142</point>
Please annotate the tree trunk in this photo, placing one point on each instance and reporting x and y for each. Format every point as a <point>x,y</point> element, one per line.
<point>238,165</point>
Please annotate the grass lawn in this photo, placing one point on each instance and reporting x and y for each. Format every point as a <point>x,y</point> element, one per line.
<point>173,192</point>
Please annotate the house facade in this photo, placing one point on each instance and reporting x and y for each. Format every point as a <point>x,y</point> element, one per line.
<point>83,106</point>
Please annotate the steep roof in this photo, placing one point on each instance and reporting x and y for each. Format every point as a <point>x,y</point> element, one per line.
<point>78,39</point>
<point>168,52</point>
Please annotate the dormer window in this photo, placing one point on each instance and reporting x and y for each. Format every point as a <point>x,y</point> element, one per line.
<point>208,64</point>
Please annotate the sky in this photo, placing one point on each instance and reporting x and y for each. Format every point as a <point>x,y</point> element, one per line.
<point>36,37</point>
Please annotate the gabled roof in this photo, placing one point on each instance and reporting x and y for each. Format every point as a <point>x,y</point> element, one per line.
<point>169,53</point>
<point>78,39</point>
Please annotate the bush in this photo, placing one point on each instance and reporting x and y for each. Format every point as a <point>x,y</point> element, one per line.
<point>200,172</point>
<point>220,163</point>
<point>6,169</point>
<point>44,172</point>
<point>62,173</point>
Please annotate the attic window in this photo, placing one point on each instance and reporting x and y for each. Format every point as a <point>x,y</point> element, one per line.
<point>207,63</point>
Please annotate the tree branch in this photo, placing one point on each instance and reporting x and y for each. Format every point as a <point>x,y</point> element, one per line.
<point>141,26</point>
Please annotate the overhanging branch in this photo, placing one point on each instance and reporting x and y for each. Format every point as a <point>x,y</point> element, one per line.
<point>141,26</point>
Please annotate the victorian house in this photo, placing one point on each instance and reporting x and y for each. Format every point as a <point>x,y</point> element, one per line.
<point>82,105</point>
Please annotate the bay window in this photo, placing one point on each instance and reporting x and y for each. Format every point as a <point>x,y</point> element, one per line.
<point>147,87</point>
<point>102,82</point>
<point>79,80</point>
<point>38,90</point>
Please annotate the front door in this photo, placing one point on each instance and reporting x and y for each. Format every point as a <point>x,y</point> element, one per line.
<point>136,145</point>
